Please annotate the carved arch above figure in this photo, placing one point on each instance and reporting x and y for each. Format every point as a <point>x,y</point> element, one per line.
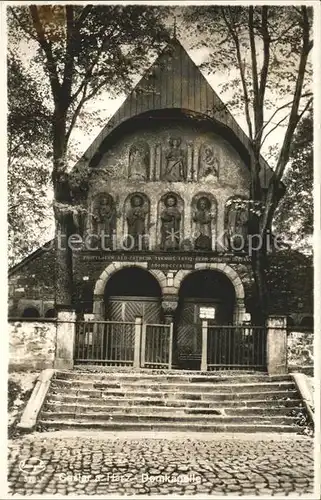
<point>203,221</point>
<point>170,221</point>
<point>236,218</point>
<point>137,221</point>
<point>104,216</point>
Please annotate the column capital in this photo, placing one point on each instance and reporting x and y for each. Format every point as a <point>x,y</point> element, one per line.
<point>169,306</point>
<point>276,321</point>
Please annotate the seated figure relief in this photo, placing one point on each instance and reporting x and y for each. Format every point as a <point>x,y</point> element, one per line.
<point>208,163</point>
<point>175,162</point>
<point>139,159</point>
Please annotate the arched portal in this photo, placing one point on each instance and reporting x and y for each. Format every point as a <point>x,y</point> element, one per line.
<point>31,313</point>
<point>204,293</point>
<point>132,292</point>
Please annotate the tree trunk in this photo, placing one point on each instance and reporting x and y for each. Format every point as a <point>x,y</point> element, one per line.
<point>63,213</point>
<point>259,272</point>
<point>258,254</point>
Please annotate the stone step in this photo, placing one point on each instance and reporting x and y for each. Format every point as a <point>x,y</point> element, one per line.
<point>62,398</point>
<point>109,369</point>
<point>200,419</point>
<point>87,423</point>
<point>169,387</point>
<point>173,378</point>
<point>170,410</point>
<point>172,395</point>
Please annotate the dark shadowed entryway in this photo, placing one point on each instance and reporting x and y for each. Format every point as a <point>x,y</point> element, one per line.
<point>202,292</point>
<point>133,292</point>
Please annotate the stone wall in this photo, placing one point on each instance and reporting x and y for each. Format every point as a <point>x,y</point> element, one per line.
<point>31,284</point>
<point>32,345</point>
<point>300,355</point>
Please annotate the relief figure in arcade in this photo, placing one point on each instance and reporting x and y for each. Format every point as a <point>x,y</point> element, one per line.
<point>175,167</point>
<point>104,219</point>
<point>237,226</point>
<point>208,163</point>
<point>139,157</point>
<point>136,218</point>
<point>170,224</point>
<point>203,224</point>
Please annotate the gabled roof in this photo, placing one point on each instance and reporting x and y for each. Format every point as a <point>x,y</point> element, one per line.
<point>174,81</point>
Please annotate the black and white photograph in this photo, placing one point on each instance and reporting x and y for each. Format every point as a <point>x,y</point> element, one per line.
<point>163,197</point>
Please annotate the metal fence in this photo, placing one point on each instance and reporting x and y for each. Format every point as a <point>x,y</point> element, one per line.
<point>123,344</point>
<point>105,343</point>
<point>236,347</point>
<point>157,345</point>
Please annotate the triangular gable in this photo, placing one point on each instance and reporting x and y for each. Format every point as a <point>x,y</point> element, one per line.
<point>174,81</point>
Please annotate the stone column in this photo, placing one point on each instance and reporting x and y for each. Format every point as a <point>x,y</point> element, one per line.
<point>186,227</point>
<point>204,346</point>
<point>220,218</point>
<point>276,345</point>
<point>152,176</point>
<point>65,339</point>
<point>158,159</point>
<point>239,312</point>
<point>169,307</point>
<point>190,166</point>
<point>99,307</point>
<point>195,162</point>
<point>137,342</point>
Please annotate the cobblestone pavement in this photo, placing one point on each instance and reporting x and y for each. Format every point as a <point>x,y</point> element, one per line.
<point>101,463</point>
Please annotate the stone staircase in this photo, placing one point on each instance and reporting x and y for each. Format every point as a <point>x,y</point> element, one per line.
<point>153,400</point>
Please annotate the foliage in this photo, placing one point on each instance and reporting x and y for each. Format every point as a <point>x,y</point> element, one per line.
<point>28,167</point>
<point>77,52</point>
<point>294,217</point>
<point>266,49</point>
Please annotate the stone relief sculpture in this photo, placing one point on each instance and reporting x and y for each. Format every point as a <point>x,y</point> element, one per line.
<point>203,217</point>
<point>208,163</point>
<point>170,223</point>
<point>104,219</point>
<point>137,222</point>
<point>236,222</point>
<point>139,160</point>
<point>175,161</point>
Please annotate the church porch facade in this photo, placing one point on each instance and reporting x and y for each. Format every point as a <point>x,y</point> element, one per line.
<point>167,197</point>
<point>162,276</point>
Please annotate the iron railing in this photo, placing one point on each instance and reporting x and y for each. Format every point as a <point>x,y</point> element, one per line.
<point>236,347</point>
<point>157,345</point>
<point>105,342</point>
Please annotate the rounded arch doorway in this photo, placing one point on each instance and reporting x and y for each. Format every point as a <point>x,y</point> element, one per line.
<point>202,293</point>
<point>132,292</point>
